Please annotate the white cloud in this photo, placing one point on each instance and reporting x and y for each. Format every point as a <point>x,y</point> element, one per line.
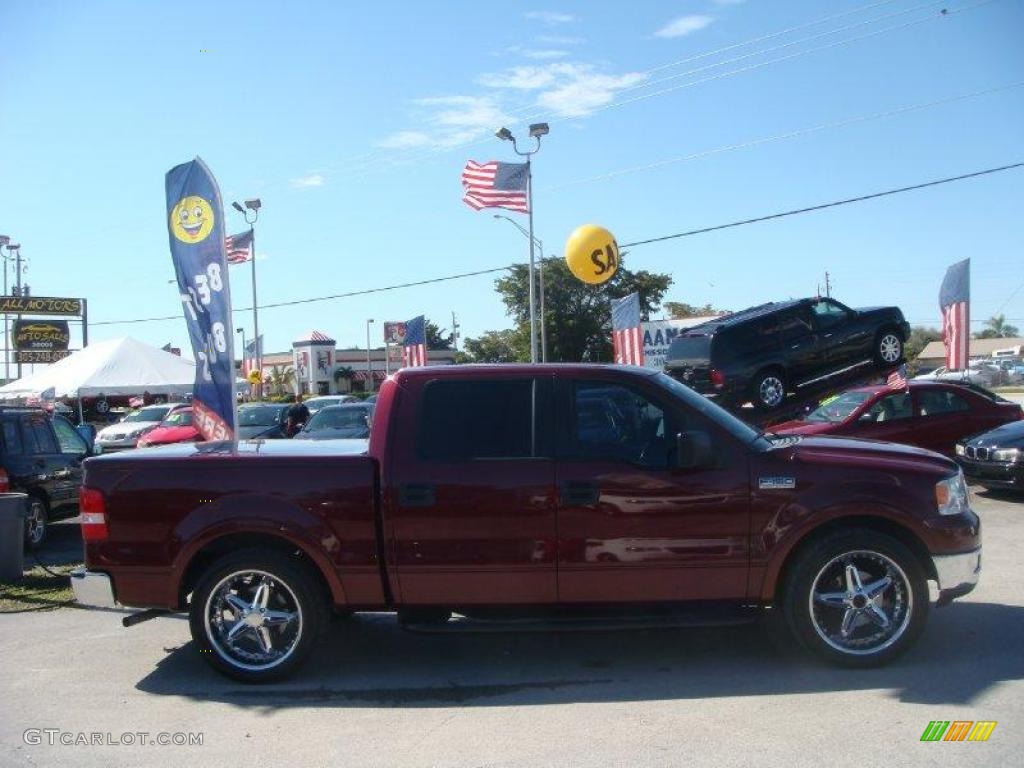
<point>728,2</point>
<point>684,25</point>
<point>586,92</point>
<point>538,54</point>
<point>551,18</point>
<point>310,180</point>
<point>560,40</point>
<point>404,140</point>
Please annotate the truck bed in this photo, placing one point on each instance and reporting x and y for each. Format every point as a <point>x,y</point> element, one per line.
<point>164,506</point>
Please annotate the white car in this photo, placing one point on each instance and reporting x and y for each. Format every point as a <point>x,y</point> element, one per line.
<point>314,404</point>
<point>972,375</point>
<point>126,433</point>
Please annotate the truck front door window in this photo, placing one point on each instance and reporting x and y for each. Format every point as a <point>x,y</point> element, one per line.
<point>613,423</point>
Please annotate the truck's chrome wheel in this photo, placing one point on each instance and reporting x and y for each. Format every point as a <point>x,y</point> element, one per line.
<point>35,524</point>
<point>861,602</point>
<point>890,349</point>
<point>771,391</point>
<point>253,620</point>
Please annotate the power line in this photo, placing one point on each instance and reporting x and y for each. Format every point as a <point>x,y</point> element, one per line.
<point>782,136</point>
<point>689,233</point>
<point>822,206</point>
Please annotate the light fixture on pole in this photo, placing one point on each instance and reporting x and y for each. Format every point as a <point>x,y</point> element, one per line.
<point>540,281</point>
<point>369,363</point>
<point>536,131</point>
<point>253,205</point>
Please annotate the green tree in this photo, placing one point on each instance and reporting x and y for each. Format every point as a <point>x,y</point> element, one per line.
<point>436,337</point>
<point>511,345</point>
<point>920,337</point>
<point>280,378</point>
<point>997,328</point>
<point>679,310</point>
<point>578,316</point>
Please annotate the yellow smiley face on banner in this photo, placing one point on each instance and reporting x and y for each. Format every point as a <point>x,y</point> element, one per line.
<point>592,254</point>
<point>192,219</point>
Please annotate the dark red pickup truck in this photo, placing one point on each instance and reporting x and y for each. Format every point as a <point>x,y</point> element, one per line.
<point>526,497</point>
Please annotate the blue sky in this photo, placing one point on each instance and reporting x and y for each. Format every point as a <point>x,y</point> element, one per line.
<point>352,121</point>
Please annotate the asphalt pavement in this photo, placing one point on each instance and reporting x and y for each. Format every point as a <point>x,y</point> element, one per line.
<point>374,695</point>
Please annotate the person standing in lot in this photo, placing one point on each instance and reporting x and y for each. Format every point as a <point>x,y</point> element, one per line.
<point>298,415</point>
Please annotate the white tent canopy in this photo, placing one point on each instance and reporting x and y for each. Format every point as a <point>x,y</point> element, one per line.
<point>115,367</point>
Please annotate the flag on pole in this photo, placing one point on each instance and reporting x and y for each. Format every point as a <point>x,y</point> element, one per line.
<point>495,185</point>
<point>627,338</point>
<point>955,301</point>
<point>239,247</point>
<point>195,229</point>
<point>414,347</point>
<point>251,353</point>
<point>898,378</point>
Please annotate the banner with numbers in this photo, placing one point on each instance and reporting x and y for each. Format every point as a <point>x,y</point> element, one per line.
<point>195,226</point>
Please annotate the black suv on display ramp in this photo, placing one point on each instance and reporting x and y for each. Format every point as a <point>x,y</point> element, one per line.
<point>765,353</point>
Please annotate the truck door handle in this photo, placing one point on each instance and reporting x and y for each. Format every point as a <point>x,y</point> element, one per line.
<point>416,495</point>
<point>580,493</point>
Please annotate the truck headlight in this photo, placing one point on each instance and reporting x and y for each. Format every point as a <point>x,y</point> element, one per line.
<point>951,495</point>
<point>959,449</point>
<point>1006,454</point>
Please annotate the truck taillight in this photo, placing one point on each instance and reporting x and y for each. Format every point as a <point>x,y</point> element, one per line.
<point>93,509</point>
<point>5,481</point>
<point>717,378</point>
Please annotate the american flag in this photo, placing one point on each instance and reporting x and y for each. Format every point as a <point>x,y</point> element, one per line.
<point>414,348</point>
<point>955,301</point>
<point>627,338</point>
<point>898,378</point>
<point>239,247</point>
<point>496,185</point>
<point>251,355</point>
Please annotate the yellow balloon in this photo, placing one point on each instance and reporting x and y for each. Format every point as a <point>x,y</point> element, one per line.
<point>592,254</point>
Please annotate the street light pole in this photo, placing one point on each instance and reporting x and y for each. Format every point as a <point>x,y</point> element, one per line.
<point>369,363</point>
<point>5,240</point>
<point>540,275</point>
<point>242,331</point>
<point>536,131</point>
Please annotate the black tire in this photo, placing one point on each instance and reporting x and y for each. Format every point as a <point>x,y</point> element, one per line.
<point>37,524</point>
<point>291,589</point>
<point>888,348</point>
<point>822,570</point>
<point>768,389</point>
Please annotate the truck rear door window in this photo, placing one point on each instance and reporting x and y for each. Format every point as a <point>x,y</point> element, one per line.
<point>463,420</point>
<point>39,437</point>
<point>12,437</point>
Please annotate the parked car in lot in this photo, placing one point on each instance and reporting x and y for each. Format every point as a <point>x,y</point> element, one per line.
<point>975,373</point>
<point>176,428</point>
<point>262,420</point>
<point>314,404</point>
<point>486,492</point>
<point>995,459</point>
<point>928,414</point>
<point>338,422</point>
<point>41,456</point>
<point>126,433</point>
<point>765,353</point>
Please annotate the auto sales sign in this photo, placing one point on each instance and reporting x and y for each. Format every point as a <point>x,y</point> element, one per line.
<point>33,335</point>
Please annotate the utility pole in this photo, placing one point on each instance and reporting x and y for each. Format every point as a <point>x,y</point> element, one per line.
<point>828,285</point>
<point>455,332</point>
<point>17,277</point>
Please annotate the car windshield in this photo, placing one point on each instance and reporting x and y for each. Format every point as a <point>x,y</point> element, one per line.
<point>340,417</point>
<point>153,413</point>
<point>316,404</point>
<point>258,416</point>
<point>734,426</point>
<point>838,408</point>
<point>182,418</point>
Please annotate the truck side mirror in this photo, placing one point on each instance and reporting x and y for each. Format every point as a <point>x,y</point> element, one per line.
<point>693,450</point>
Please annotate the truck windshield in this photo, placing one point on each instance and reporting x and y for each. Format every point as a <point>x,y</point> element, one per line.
<point>735,427</point>
<point>258,416</point>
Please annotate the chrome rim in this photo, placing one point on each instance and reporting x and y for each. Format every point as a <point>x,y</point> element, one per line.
<point>861,602</point>
<point>771,391</point>
<point>35,523</point>
<point>253,620</point>
<point>889,348</point>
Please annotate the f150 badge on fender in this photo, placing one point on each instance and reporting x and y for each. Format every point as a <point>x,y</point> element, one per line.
<point>776,483</point>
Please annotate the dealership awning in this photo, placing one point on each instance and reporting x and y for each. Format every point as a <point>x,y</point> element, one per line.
<point>115,367</point>
<point>361,376</point>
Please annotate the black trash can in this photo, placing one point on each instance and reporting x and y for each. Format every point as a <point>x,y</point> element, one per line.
<point>13,511</point>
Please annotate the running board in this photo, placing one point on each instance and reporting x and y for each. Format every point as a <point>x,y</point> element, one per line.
<point>464,624</point>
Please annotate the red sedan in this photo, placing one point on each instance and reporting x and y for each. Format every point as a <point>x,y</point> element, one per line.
<point>176,428</point>
<point>928,414</point>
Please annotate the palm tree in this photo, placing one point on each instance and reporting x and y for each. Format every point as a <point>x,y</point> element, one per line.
<point>281,377</point>
<point>998,328</point>
<point>344,373</point>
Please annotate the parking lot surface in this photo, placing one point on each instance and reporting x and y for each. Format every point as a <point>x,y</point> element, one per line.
<point>376,696</point>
